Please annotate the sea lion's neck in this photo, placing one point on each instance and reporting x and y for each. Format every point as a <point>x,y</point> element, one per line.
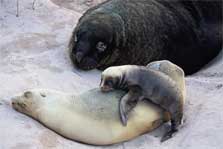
<point>122,84</point>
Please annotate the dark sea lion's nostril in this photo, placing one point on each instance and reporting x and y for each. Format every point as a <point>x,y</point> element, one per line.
<point>79,56</point>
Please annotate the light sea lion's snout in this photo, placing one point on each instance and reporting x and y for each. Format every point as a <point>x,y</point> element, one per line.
<point>19,105</point>
<point>24,103</point>
<point>14,103</point>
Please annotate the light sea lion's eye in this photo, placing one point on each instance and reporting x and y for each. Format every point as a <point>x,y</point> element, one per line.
<point>28,94</point>
<point>43,95</point>
<point>101,46</point>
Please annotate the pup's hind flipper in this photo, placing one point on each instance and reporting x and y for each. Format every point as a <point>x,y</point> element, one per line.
<point>168,135</point>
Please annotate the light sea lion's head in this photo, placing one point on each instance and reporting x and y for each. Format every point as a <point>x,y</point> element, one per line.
<point>27,102</point>
<point>30,101</point>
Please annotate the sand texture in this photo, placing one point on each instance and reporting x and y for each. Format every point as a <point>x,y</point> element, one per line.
<point>33,55</point>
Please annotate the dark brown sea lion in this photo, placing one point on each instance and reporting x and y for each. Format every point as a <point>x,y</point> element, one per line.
<point>119,32</point>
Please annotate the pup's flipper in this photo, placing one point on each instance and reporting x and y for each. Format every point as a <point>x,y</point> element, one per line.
<point>127,103</point>
<point>169,134</point>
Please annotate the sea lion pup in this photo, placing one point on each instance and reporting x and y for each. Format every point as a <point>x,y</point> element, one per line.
<point>91,117</point>
<point>121,32</point>
<point>144,83</point>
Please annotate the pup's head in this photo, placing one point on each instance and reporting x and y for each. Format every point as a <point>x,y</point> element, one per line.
<point>112,78</point>
<point>94,40</point>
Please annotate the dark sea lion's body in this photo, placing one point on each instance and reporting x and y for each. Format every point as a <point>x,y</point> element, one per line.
<point>188,33</point>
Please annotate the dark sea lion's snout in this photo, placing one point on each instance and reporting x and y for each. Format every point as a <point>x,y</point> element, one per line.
<point>82,55</point>
<point>80,50</point>
<point>87,63</point>
<point>79,56</point>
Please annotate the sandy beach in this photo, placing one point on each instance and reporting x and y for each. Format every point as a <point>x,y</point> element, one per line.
<point>33,54</point>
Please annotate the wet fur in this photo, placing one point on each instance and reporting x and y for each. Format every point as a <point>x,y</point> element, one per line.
<point>188,33</point>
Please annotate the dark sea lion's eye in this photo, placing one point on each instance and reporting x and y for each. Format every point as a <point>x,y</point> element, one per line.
<point>101,46</point>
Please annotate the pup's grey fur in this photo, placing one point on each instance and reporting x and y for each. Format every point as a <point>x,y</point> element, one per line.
<point>144,83</point>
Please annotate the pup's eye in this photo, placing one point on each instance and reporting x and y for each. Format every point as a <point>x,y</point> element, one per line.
<point>109,83</point>
<point>42,94</point>
<point>101,46</point>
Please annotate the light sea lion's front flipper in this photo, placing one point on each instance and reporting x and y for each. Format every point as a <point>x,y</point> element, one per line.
<point>91,117</point>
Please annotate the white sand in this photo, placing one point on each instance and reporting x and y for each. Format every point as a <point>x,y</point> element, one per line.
<point>33,55</point>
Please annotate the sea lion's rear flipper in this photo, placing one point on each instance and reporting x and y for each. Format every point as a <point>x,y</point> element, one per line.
<point>168,135</point>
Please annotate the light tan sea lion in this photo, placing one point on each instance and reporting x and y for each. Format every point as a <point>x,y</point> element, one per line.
<point>92,117</point>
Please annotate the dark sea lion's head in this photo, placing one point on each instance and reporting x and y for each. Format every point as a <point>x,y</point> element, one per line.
<point>94,39</point>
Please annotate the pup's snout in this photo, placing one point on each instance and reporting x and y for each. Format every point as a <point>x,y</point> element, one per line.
<point>79,56</point>
<point>105,88</point>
